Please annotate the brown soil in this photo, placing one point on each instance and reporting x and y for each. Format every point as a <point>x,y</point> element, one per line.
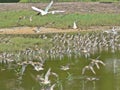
<point>69,7</point>
<point>30,30</point>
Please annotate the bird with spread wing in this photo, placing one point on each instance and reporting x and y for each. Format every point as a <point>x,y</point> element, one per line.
<point>46,11</point>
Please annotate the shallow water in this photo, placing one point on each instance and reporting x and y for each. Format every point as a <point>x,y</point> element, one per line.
<point>107,77</point>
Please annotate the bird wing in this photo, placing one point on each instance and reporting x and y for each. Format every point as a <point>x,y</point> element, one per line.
<point>48,7</point>
<point>47,74</point>
<point>56,11</point>
<point>51,88</point>
<point>101,62</point>
<point>97,65</point>
<point>98,57</point>
<point>91,68</point>
<point>83,70</point>
<point>38,10</point>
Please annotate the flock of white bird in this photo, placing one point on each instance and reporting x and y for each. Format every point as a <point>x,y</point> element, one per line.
<point>64,45</point>
<point>76,45</point>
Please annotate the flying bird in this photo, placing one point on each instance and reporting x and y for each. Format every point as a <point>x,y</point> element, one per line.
<point>89,67</point>
<point>46,80</point>
<point>96,62</point>
<point>66,67</point>
<point>46,11</point>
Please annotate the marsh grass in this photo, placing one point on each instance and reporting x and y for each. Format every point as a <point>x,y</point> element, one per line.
<point>11,19</point>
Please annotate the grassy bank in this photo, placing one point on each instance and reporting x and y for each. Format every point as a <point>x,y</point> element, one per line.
<point>11,19</point>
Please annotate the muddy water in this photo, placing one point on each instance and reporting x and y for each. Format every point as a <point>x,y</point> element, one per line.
<point>106,78</point>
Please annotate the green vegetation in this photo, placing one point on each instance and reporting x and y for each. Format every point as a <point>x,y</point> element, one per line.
<point>13,43</point>
<point>11,18</point>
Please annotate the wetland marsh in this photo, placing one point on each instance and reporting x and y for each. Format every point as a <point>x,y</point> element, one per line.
<point>61,63</point>
<point>76,60</point>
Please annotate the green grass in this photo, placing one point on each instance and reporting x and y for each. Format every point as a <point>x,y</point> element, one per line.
<point>10,19</point>
<point>21,42</point>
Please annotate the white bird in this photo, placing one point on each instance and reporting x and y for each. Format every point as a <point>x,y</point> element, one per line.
<point>44,12</point>
<point>37,29</point>
<point>55,74</point>
<point>97,62</point>
<point>56,11</point>
<point>46,79</point>
<point>66,67</point>
<point>38,68</point>
<point>92,78</point>
<point>74,25</point>
<point>114,31</point>
<point>89,67</point>
<point>52,87</point>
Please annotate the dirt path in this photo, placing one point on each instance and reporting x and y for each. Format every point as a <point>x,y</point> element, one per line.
<point>30,30</point>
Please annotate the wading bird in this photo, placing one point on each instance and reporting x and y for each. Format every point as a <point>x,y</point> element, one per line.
<point>37,29</point>
<point>74,25</point>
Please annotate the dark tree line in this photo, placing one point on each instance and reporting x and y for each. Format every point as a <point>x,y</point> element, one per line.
<point>8,1</point>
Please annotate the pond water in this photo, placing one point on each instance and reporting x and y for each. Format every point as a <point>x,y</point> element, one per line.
<point>106,78</point>
<point>73,62</point>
